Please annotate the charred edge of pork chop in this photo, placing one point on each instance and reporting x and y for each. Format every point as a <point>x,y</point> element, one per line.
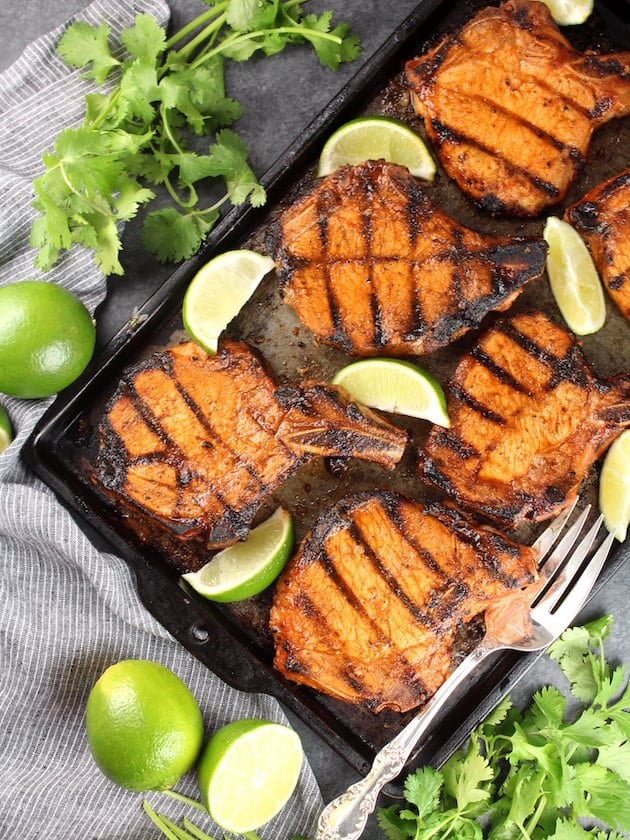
<point>459,464</point>
<point>602,217</point>
<point>490,166</point>
<point>330,575</point>
<point>445,277</point>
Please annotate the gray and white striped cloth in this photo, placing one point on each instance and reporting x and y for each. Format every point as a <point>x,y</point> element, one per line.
<point>68,610</point>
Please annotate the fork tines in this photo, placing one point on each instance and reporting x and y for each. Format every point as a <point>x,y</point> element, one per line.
<point>568,576</point>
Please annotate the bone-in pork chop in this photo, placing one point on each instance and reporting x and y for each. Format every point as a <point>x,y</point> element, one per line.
<point>369,608</point>
<point>372,266</point>
<point>528,418</point>
<point>602,218</point>
<point>510,106</point>
<point>197,442</point>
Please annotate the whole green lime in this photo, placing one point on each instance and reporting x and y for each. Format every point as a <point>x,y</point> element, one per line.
<point>47,338</point>
<point>144,727</point>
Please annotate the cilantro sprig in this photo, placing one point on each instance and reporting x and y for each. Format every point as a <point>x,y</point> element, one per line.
<point>155,98</point>
<point>560,769</point>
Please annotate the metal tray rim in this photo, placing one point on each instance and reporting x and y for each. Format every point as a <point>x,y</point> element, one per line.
<point>40,450</point>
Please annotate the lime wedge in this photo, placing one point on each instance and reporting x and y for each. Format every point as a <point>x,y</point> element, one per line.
<point>395,386</point>
<point>6,432</point>
<point>376,138</point>
<point>614,487</point>
<point>246,568</point>
<point>569,12</point>
<point>573,278</point>
<point>248,771</point>
<point>218,291</point>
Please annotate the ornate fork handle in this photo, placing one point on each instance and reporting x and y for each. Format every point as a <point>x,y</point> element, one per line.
<point>346,816</point>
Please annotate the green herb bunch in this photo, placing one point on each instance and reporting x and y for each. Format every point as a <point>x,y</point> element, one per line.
<point>137,132</point>
<point>558,770</point>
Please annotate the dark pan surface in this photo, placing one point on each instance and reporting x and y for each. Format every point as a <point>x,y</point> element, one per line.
<point>234,641</point>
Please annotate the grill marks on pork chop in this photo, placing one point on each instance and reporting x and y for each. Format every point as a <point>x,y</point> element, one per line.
<point>510,106</point>
<point>197,442</point>
<point>372,266</point>
<point>528,418</point>
<point>602,217</point>
<point>368,609</point>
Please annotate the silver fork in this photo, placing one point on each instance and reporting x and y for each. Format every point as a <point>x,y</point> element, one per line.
<point>553,602</point>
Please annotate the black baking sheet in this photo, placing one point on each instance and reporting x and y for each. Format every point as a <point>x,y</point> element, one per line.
<point>234,641</point>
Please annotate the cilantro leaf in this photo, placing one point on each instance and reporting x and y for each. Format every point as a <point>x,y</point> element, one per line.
<point>330,54</point>
<point>107,245</point>
<point>394,826</point>
<point>172,236</point>
<point>423,789</point>
<point>83,44</point>
<point>241,13</point>
<point>145,40</point>
<point>465,775</point>
<point>229,158</point>
<point>138,90</point>
<point>130,198</point>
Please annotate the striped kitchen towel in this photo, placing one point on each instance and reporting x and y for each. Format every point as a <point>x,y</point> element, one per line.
<point>68,609</point>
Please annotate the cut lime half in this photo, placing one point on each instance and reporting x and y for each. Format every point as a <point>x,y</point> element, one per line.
<point>248,771</point>
<point>218,291</point>
<point>6,431</point>
<point>396,386</point>
<point>246,568</point>
<point>573,278</point>
<point>614,487</point>
<point>376,138</point>
<point>569,12</point>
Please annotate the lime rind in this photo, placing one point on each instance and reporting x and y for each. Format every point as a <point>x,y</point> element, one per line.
<point>218,292</point>
<point>614,487</point>
<point>377,138</point>
<point>395,386</point>
<point>247,568</point>
<point>573,278</point>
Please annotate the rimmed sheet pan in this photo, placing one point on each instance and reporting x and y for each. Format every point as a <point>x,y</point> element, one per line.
<point>234,641</point>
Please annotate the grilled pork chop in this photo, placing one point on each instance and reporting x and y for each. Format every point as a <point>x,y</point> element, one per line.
<point>602,217</point>
<point>528,418</point>
<point>369,607</point>
<point>372,266</point>
<point>510,106</point>
<point>197,442</point>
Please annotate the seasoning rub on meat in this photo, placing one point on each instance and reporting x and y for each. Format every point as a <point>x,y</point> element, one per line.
<point>602,218</point>
<point>197,442</point>
<point>369,608</point>
<point>528,418</point>
<point>372,266</point>
<point>510,106</point>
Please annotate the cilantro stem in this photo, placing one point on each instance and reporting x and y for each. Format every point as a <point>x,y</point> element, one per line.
<point>205,35</point>
<point>233,40</point>
<point>187,800</point>
<point>112,102</point>
<point>195,24</point>
<point>533,820</point>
